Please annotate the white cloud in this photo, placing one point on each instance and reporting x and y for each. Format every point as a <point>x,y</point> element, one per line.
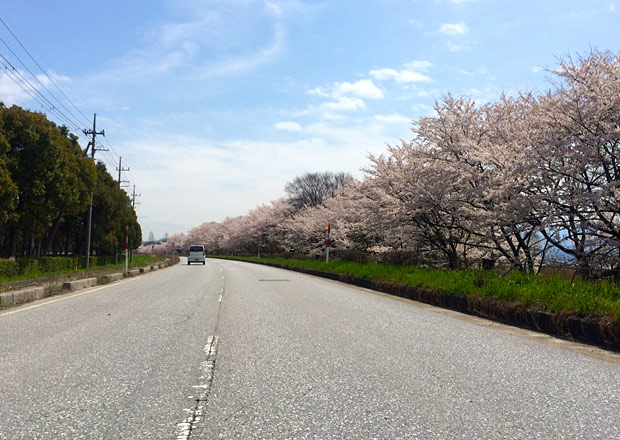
<point>317,91</point>
<point>266,166</point>
<point>418,65</point>
<point>288,126</point>
<point>344,104</point>
<point>383,74</point>
<point>11,93</point>
<point>453,47</point>
<point>363,88</point>
<point>454,29</point>
<point>57,78</point>
<point>202,47</point>
<point>393,118</point>
<point>344,96</point>
<point>237,64</point>
<point>402,76</point>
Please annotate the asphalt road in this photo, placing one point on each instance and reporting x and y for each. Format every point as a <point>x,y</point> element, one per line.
<point>234,350</point>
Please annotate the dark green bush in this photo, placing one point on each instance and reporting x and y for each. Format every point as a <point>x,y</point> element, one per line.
<point>9,268</point>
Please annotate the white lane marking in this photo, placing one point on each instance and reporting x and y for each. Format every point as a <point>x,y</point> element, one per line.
<point>184,428</point>
<point>67,297</point>
<point>220,300</point>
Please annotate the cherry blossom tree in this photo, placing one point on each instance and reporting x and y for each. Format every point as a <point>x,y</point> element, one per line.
<point>577,152</point>
<point>419,194</point>
<point>483,148</point>
<point>506,179</point>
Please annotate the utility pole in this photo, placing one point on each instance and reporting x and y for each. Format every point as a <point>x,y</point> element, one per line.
<point>133,204</point>
<point>121,169</point>
<point>93,149</point>
<point>133,198</point>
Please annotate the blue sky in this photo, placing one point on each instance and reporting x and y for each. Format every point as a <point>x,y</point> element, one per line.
<point>215,105</point>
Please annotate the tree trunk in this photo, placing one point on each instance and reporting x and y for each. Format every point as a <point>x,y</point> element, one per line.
<point>52,234</point>
<point>13,242</point>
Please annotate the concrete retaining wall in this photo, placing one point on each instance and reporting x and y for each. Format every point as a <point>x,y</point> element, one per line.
<point>134,272</point>
<point>145,269</point>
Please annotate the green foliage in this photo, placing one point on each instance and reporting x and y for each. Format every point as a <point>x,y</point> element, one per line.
<point>112,212</point>
<point>551,293</point>
<point>45,186</point>
<point>8,189</point>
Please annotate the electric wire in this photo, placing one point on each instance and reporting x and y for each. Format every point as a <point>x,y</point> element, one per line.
<point>27,86</point>
<point>42,70</point>
<point>41,84</point>
<point>109,157</point>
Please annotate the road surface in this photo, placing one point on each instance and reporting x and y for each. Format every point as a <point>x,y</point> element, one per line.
<point>234,350</point>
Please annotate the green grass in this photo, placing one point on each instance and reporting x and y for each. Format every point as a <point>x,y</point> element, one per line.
<point>552,293</point>
<point>30,268</point>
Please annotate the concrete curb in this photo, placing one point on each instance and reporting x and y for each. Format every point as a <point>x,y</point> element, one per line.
<point>79,284</point>
<point>111,277</point>
<point>22,295</point>
<point>16,297</point>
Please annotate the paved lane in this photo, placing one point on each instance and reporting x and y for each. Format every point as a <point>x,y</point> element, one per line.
<point>118,362</point>
<point>301,357</point>
<point>234,350</point>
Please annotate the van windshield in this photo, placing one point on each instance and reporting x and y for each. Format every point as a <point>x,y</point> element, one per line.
<point>196,248</point>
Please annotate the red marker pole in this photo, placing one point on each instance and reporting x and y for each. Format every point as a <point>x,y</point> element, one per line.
<point>329,227</point>
<point>126,249</point>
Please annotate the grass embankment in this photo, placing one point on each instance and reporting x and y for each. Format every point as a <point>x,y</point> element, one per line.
<point>551,293</point>
<point>32,268</point>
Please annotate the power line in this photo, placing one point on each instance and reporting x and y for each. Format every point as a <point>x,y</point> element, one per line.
<point>24,81</point>
<point>42,70</point>
<point>40,83</point>
<point>44,97</point>
<point>10,71</point>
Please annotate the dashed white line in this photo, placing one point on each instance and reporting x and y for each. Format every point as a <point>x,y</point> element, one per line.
<point>184,428</point>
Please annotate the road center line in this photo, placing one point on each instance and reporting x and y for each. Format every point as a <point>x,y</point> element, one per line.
<point>66,297</point>
<point>195,414</point>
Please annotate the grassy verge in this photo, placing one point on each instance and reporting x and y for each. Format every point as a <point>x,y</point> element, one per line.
<point>33,269</point>
<point>552,293</point>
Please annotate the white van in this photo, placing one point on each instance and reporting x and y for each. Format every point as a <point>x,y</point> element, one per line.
<point>196,254</point>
